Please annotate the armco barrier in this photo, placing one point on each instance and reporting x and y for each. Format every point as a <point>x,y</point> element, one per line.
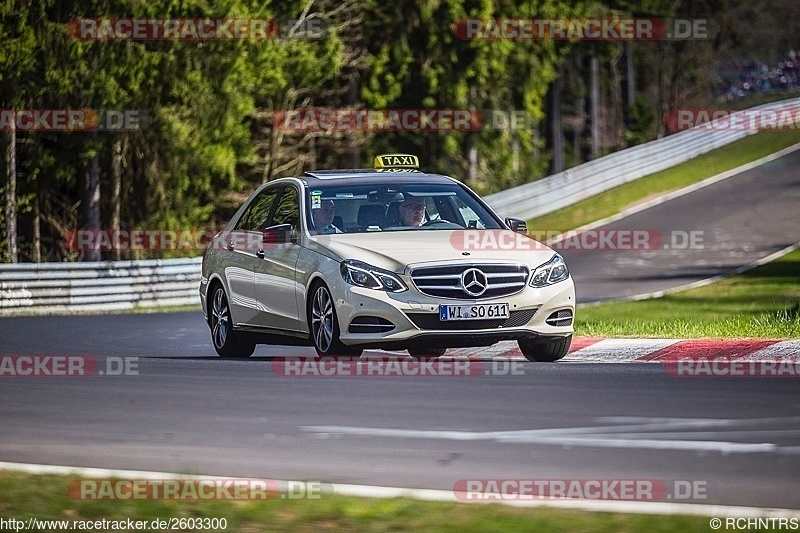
<point>101,286</point>
<point>586,180</point>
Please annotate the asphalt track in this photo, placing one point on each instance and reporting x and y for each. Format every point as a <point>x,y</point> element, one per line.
<point>188,411</point>
<point>734,222</point>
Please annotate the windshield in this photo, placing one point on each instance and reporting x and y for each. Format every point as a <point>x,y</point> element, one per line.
<point>394,207</point>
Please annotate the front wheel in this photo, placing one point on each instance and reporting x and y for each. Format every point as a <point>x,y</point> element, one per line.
<point>545,349</point>
<point>227,342</point>
<point>324,325</point>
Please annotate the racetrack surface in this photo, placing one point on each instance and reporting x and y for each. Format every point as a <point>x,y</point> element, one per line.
<point>185,410</point>
<point>736,221</point>
<point>188,411</point>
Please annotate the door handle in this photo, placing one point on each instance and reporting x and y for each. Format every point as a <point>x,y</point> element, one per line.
<point>260,254</point>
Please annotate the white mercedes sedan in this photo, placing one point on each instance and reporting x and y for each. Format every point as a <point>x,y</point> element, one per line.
<point>384,258</point>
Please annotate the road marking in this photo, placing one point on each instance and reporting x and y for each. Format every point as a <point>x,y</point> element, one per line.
<point>636,433</point>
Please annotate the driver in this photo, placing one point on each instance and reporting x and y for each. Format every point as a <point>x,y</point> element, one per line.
<point>412,211</point>
<point>323,218</point>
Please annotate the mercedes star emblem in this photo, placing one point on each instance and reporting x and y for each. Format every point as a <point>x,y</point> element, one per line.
<point>474,282</point>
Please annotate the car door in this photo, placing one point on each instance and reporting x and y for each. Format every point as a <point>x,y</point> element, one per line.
<point>240,259</point>
<point>275,273</point>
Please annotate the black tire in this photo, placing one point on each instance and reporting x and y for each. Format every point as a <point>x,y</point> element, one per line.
<point>227,342</point>
<point>426,353</point>
<point>323,324</point>
<point>545,349</point>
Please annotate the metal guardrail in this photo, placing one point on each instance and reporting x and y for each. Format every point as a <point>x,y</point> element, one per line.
<point>583,181</point>
<point>44,288</point>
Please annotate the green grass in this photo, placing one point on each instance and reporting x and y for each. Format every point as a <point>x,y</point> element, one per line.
<point>45,497</point>
<point>759,303</point>
<point>619,198</point>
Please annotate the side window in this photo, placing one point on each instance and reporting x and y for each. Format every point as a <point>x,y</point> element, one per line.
<point>288,209</point>
<point>255,218</point>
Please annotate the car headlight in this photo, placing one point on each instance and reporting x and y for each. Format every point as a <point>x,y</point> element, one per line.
<point>551,272</point>
<point>364,275</point>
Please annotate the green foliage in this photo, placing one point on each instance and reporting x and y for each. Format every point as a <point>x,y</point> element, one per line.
<point>643,122</point>
<point>210,138</point>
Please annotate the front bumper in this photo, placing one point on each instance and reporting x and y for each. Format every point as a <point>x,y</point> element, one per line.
<point>415,317</point>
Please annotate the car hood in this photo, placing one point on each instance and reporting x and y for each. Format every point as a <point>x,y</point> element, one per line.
<point>397,250</point>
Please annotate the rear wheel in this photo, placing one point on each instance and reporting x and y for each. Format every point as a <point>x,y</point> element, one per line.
<point>324,325</point>
<point>545,349</point>
<point>227,342</point>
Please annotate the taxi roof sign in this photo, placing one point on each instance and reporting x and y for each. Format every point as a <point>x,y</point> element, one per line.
<point>396,161</point>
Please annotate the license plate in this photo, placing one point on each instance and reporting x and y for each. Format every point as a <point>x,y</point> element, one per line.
<point>472,312</point>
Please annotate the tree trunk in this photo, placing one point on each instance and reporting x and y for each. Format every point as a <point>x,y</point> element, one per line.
<point>595,103</point>
<point>116,190</point>
<point>37,231</point>
<point>618,106</point>
<point>555,131</point>
<point>354,152</point>
<point>472,156</point>
<point>11,193</point>
<point>515,160</point>
<point>630,92</point>
<point>90,203</point>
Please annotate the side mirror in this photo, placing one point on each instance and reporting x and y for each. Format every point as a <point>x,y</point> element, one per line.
<point>517,225</point>
<point>280,234</point>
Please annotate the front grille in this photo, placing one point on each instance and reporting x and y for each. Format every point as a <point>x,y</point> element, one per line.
<point>430,321</point>
<point>445,281</point>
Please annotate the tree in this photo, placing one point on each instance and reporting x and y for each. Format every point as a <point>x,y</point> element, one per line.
<point>17,42</point>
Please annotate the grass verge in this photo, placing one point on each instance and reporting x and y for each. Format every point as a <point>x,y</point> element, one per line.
<point>45,497</point>
<point>628,195</point>
<point>761,303</point>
